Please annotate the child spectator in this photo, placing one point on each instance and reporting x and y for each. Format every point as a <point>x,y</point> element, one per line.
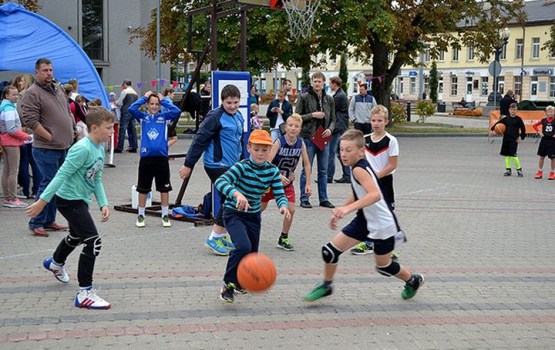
<point>374,219</point>
<point>514,134</point>
<point>220,139</point>
<point>382,152</point>
<point>243,186</point>
<point>256,122</point>
<point>154,163</point>
<point>547,143</point>
<point>11,138</point>
<point>169,94</point>
<point>285,154</point>
<point>79,176</point>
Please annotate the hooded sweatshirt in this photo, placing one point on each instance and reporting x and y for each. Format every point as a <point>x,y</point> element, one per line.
<point>10,126</point>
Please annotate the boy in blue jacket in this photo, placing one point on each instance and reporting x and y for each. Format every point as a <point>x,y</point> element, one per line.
<point>154,162</point>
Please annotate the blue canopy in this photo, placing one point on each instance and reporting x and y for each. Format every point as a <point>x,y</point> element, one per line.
<point>26,36</point>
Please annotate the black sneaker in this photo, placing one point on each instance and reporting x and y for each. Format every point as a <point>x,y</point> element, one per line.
<point>227,293</point>
<point>240,290</point>
<point>508,173</point>
<point>284,243</point>
<point>306,204</point>
<point>519,173</point>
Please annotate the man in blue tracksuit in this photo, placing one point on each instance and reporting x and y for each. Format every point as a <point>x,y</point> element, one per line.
<point>220,139</point>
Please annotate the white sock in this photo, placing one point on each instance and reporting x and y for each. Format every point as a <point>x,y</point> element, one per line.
<point>165,210</point>
<point>214,235</point>
<point>83,288</point>
<point>141,211</point>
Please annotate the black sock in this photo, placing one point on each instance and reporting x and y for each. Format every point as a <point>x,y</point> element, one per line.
<point>328,284</point>
<point>284,235</point>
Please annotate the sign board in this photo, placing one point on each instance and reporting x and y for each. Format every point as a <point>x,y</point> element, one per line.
<point>494,69</point>
<point>413,73</point>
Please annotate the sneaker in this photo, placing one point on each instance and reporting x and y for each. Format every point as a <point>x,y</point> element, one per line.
<point>318,292</point>
<point>519,173</point>
<point>411,287</point>
<point>15,204</point>
<point>226,241</point>
<point>394,256</point>
<point>165,221</point>
<point>284,243</point>
<point>217,246</point>
<point>240,290</point>
<point>507,173</point>
<point>227,292</point>
<point>140,221</point>
<point>539,175</point>
<point>59,271</point>
<point>551,176</point>
<point>88,299</point>
<point>362,249</point>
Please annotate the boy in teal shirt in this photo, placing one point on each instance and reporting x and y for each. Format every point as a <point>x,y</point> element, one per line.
<point>79,176</point>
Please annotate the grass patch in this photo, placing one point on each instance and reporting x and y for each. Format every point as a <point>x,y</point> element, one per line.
<point>433,128</point>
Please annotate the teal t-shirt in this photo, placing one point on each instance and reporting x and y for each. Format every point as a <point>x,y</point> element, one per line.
<point>80,175</point>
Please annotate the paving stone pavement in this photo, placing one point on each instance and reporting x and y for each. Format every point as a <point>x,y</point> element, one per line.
<point>484,242</point>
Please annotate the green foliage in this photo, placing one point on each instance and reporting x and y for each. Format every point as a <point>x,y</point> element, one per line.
<point>31,5</point>
<point>305,78</point>
<point>434,82</point>
<point>424,109</point>
<point>343,72</point>
<point>397,113</point>
<point>550,44</point>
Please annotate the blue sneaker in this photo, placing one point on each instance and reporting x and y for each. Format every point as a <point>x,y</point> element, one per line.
<point>228,243</point>
<point>217,246</point>
<point>59,271</point>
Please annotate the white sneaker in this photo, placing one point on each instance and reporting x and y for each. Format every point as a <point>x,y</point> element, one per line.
<point>58,271</point>
<point>88,299</point>
<point>140,221</point>
<point>166,221</point>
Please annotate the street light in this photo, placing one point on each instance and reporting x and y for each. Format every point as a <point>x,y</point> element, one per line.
<point>504,39</point>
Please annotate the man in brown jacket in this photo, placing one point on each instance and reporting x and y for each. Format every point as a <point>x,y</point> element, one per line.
<point>46,111</point>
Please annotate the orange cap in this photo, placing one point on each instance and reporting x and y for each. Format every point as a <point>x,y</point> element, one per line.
<point>260,137</point>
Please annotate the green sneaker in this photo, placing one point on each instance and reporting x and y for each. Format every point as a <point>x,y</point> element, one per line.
<point>285,244</point>
<point>362,249</point>
<point>227,292</point>
<point>394,256</point>
<point>411,287</point>
<point>318,292</point>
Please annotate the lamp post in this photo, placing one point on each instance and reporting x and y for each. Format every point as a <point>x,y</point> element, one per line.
<point>504,39</point>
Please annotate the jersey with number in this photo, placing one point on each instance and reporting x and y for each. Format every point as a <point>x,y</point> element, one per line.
<point>548,127</point>
<point>288,156</point>
<point>378,152</point>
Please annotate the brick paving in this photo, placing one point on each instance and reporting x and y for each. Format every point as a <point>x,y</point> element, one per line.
<point>484,243</point>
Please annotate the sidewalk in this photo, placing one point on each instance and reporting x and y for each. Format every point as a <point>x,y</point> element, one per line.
<point>484,243</point>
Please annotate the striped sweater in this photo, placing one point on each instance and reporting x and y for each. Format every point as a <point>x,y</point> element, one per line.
<point>252,180</point>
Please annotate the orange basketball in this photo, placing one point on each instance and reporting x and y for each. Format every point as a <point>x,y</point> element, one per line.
<point>500,129</point>
<point>256,272</point>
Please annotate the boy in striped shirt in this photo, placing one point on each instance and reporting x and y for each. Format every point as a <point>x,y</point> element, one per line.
<point>243,186</point>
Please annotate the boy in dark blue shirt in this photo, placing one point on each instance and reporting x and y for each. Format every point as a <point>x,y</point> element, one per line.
<point>154,162</point>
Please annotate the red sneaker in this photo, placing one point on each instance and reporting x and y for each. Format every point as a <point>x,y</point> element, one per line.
<point>539,174</point>
<point>551,176</point>
<point>55,227</point>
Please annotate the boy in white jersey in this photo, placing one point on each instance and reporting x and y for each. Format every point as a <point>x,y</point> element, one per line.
<point>382,152</point>
<point>78,177</point>
<point>285,154</point>
<point>374,220</point>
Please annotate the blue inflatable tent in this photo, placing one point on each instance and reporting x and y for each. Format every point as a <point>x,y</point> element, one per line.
<point>26,36</point>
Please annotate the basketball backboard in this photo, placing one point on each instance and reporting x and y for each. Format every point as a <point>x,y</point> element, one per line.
<point>262,3</point>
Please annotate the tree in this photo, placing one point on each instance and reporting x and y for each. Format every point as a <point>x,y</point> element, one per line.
<point>343,72</point>
<point>31,5</point>
<point>550,44</point>
<point>434,82</point>
<point>385,34</point>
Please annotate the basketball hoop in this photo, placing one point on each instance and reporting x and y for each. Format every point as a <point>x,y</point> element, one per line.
<point>301,14</point>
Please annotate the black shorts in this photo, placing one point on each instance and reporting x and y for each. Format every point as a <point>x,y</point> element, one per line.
<point>157,168</point>
<point>509,148</point>
<point>386,186</point>
<point>357,229</point>
<point>547,147</point>
<point>172,131</point>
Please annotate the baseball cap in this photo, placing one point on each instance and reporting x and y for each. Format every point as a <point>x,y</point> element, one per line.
<point>260,137</point>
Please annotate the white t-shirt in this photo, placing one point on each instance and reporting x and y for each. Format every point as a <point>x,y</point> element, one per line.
<point>378,151</point>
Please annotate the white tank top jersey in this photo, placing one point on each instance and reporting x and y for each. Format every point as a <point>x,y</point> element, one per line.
<point>380,221</point>
<point>379,151</point>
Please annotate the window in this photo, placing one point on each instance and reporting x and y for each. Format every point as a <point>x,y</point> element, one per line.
<point>519,43</point>
<point>93,28</point>
<point>454,83</point>
<point>426,83</point>
<point>427,54</point>
<point>334,59</point>
<point>518,85</point>
<point>484,89</point>
<point>455,54</point>
<point>535,47</point>
<point>400,85</point>
<point>503,53</point>
<point>469,85</point>
<point>501,84</point>
<point>471,53</point>
<point>440,85</point>
<point>551,86</point>
<point>441,55</point>
<point>412,86</point>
